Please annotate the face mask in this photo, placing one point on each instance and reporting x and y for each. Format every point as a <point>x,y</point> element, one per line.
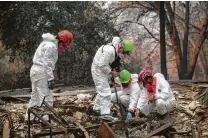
<point>121,55</point>
<point>147,81</point>
<point>125,85</point>
<point>61,48</point>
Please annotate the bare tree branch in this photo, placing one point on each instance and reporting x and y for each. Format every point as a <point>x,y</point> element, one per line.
<point>194,26</point>
<point>149,32</point>
<point>151,52</point>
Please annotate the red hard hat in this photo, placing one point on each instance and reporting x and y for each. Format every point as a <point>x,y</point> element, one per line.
<point>143,74</point>
<point>147,73</point>
<point>66,36</point>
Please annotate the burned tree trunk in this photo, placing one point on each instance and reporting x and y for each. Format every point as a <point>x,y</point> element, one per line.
<point>162,40</point>
<point>185,40</point>
<point>175,39</point>
<point>197,48</point>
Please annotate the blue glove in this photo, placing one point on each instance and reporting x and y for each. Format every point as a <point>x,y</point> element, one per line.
<point>129,115</point>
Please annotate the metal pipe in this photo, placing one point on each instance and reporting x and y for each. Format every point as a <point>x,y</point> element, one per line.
<point>116,95</point>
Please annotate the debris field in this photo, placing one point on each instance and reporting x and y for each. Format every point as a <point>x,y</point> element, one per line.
<point>71,116</point>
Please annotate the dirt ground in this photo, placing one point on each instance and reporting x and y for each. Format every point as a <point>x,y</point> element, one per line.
<point>184,116</point>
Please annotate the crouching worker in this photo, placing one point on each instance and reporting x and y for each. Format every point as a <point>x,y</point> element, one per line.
<point>155,95</point>
<point>129,94</point>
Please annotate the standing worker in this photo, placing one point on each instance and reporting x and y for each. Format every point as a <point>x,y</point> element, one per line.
<point>130,91</point>
<point>156,94</point>
<point>44,60</point>
<point>101,70</point>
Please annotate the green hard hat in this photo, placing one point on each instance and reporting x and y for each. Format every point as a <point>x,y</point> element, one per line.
<point>128,45</point>
<point>124,76</point>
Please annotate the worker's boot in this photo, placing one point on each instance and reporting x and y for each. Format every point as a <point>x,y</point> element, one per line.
<point>96,112</point>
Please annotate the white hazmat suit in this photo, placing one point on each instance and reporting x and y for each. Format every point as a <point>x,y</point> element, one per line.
<point>41,71</point>
<point>129,96</point>
<point>164,98</point>
<point>100,70</point>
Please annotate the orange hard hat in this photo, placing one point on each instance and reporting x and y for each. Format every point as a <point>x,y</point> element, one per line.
<point>66,36</point>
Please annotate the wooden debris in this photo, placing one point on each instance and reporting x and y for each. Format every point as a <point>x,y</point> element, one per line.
<point>10,98</point>
<point>2,102</point>
<point>39,117</point>
<point>136,120</point>
<point>66,107</point>
<point>193,132</point>
<point>181,133</point>
<point>80,126</point>
<point>148,127</point>
<point>6,130</point>
<point>78,115</point>
<point>158,130</point>
<point>106,132</point>
<point>55,113</point>
<point>199,131</point>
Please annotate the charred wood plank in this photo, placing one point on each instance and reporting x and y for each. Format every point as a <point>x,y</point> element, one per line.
<point>182,133</point>
<point>136,120</point>
<point>74,121</point>
<point>106,132</point>
<point>6,130</point>
<point>199,131</point>
<point>55,113</point>
<point>47,134</point>
<point>40,118</point>
<point>158,130</point>
<point>193,131</point>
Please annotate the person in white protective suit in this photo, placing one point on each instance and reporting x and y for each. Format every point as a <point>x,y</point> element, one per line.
<point>129,94</point>
<point>156,94</point>
<point>101,70</point>
<point>41,72</point>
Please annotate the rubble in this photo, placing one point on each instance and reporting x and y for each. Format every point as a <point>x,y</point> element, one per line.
<point>74,109</point>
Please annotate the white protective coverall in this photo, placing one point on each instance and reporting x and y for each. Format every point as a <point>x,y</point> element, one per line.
<point>100,70</point>
<point>129,97</point>
<point>164,98</point>
<point>41,71</point>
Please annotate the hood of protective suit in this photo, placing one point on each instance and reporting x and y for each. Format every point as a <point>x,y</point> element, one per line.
<point>159,75</point>
<point>116,42</point>
<point>49,37</point>
<point>134,77</point>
